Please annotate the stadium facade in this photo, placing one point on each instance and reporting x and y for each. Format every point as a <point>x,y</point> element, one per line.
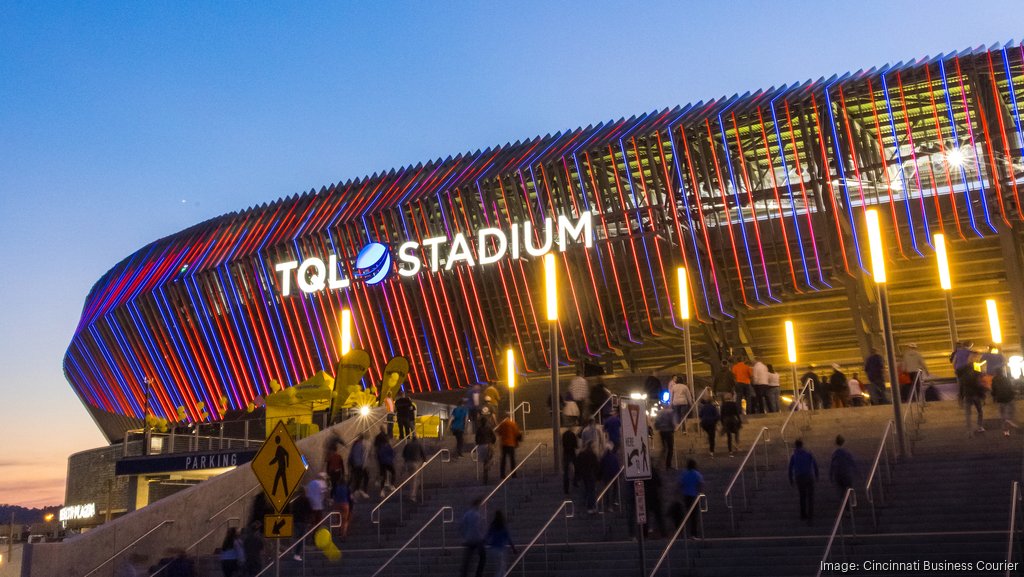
<point>761,197</point>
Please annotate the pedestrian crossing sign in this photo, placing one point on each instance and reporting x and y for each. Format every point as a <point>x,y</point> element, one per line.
<point>279,466</point>
<point>278,526</point>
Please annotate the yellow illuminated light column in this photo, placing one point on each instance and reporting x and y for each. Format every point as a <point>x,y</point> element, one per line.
<point>993,322</point>
<point>684,314</point>
<point>791,355</point>
<point>946,283</point>
<point>878,272</point>
<point>510,367</point>
<point>346,331</point>
<point>551,290</point>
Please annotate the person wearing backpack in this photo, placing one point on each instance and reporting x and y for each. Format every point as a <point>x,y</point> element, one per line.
<point>1004,396</point>
<point>709,417</point>
<point>731,423</point>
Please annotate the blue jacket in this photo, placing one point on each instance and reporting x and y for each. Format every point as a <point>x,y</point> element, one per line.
<point>802,464</point>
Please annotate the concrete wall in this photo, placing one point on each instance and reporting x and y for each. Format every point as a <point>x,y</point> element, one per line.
<point>91,479</point>
<point>194,512</point>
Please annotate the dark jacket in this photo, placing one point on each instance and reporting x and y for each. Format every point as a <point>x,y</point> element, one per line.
<point>709,415</point>
<point>802,464</point>
<point>843,468</point>
<point>731,421</point>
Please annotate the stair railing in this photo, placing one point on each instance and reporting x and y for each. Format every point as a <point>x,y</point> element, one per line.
<point>159,526</point>
<point>447,515</point>
<point>445,457</point>
<point>761,439</point>
<point>680,425</point>
<point>848,504</point>
<point>914,404</point>
<point>200,541</point>
<point>503,485</point>
<point>332,520</point>
<point>701,504</point>
<point>568,510</point>
<point>804,391</point>
<point>1011,532</point>
<point>525,408</point>
<point>603,405</point>
<point>889,451</point>
<point>617,484</point>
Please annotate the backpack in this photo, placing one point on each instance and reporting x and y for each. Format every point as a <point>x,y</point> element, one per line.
<point>1002,390</point>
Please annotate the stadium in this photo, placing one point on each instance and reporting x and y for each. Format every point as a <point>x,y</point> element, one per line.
<point>760,196</point>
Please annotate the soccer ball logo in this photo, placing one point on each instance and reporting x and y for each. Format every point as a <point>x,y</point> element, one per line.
<point>373,263</point>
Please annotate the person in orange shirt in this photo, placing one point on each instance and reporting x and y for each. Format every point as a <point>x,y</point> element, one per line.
<point>509,436</point>
<point>742,372</point>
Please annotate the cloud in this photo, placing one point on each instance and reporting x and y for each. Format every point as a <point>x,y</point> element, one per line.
<point>33,492</point>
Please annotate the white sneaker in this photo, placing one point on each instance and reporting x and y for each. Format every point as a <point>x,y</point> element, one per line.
<point>297,557</point>
<point>980,430</point>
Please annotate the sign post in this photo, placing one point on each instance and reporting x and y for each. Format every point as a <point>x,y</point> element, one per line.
<point>279,467</point>
<point>637,457</point>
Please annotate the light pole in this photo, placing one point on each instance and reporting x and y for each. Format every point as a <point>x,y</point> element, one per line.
<point>551,286</point>
<point>791,354</point>
<point>346,331</point>
<point>878,272</point>
<point>993,322</point>
<point>510,367</point>
<point>945,281</point>
<point>145,418</point>
<point>684,314</point>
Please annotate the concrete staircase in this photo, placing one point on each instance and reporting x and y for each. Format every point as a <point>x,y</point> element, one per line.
<point>946,503</point>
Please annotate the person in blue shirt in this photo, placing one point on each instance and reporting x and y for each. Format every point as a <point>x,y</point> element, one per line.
<point>843,467</point>
<point>500,542</point>
<point>803,471</point>
<point>459,415</point>
<point>473,538</point>
<point>691,485</point>
<point>613,428</point>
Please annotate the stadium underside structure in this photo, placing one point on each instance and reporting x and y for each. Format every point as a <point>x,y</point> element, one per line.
<point>760,196</point>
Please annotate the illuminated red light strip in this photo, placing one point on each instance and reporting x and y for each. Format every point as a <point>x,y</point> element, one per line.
<point>994,173</point>
<point>522,276</point>
<point>913,156</point>
<point>726,215</point>
<point>198,346</point>
<point>632,243</point>
<point>237,358</point>
<point>371,339</point>
<point>476,300</point>
<point>778,201</point>
<point>294,329</point>
<point>853,148</point>
<point>885,169</point>
<point>753,206</point>
<point>942,151</point>
<point>698,201</point>
<point>444,355</point>
<point>654,235</point>
<point>1002,134</point>
<point>803,188</point>
<point>208,383</point>
<point>316,327</point>
<point>173,363</point>
<point>588,257</point>
<point>828,176</point>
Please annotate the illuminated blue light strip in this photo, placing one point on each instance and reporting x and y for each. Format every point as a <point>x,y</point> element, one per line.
<point>126,350</point>
<point>840,162</point>
<point>640,223</point>
<point>202,312</point>
<point>956,144</point>
<point>977,157</point>
<point>264,297</point>
<point>689,218</point>
<point>899,161</point>
<point>739,204</point>
<point>156,358</point>
<point>260,378</point>
<point>1013,98</point>
<point>115,369</point>
<point>188,362</point>
<point>789,187</point>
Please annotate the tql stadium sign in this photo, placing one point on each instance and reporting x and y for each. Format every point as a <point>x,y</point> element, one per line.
<point>374,262</point>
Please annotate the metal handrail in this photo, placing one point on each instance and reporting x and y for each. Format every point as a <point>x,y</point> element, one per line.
<point>849,503</point>
<point>199,541</point>
<point>600,496</point>
<point>702,503</point>
<point>763,433</point>
<point>237,499</point>
<point>693,407</point>
<point>914,400</point>
<point>606,401</point>
<point>130,545</point>
<point>1015,500</point>
<point>796,405</point>
<point>447,516</point>
<point>526,407</point>
<point>569,509</point>
<point>331,517</point>
<point>888,433</point>
<point>375,513</point>
<point>512,473</point>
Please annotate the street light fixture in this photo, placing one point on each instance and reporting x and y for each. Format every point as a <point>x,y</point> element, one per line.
<point>877,250</point>
<point>791,354</point>
<point>510,368</point>
<point>551,289</point>
<point>945,281</point>
<point>684,314</point>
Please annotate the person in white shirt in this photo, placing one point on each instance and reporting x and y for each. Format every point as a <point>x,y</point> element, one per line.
<point>681,397</point>
<point>856,392</point>
<point>773,390</point>
<point>759,378</point>
<point>316,491</point>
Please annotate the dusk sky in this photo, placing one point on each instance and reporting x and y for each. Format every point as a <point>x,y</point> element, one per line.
<point>124,123</point>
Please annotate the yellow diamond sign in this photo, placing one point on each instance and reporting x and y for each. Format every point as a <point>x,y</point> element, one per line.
<point>279,467</point>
